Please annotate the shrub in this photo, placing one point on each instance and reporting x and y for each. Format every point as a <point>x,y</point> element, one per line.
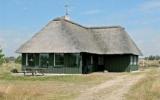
<point>14,70</point>
<point>1,57</point>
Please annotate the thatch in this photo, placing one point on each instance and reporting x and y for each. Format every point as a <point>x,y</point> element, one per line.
<point>64,36</point>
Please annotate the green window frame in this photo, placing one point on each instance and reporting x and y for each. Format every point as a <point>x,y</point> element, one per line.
<point>59,59</point>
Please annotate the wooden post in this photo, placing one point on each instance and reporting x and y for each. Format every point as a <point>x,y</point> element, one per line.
<point>26,59</point>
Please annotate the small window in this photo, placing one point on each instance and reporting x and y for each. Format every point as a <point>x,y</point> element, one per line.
<point>59,59</point>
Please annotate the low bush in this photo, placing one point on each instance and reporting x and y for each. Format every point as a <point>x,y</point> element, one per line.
<point>14,70</point>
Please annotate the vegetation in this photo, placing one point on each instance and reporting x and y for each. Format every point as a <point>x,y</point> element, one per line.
<point>18,59</point>
<point>149,63</point>
<point>1,57</point>
<point>148,88</point>
<point>14,87</point>
<point>151,57</point>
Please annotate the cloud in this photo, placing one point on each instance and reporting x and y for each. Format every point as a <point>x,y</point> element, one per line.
<point>92,12</point>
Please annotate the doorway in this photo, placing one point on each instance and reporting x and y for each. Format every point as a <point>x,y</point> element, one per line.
<point>100,65</point>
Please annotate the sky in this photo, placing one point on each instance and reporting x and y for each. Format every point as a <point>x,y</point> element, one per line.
<point>21,19</point>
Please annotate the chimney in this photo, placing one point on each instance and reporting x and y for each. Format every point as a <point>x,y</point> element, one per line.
<point>66,17</point>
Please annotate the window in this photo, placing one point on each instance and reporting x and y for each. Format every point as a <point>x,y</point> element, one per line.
<point>91,60</point>
<point>100,60</point>
<point>131,60</point>
<point>30,60</point>
<point>58,59</point>
<point>135,60</point>
<point>44,60</point>
<point>72,60</point>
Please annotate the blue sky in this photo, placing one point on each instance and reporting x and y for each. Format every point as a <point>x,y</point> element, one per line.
<point>21,19</point>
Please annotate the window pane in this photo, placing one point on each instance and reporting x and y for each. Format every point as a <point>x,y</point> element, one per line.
<point>131,60</point>
<point>91,60</point>
<point>44,60</point>
<point>73,60</point>
<point>31,60</point>
<point>135,60</point>
<point>59,59</point>
<point>100,60</point>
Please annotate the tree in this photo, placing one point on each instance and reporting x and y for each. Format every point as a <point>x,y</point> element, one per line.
<point>1,57</point>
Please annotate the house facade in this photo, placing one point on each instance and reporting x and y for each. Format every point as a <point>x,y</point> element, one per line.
<point>64,46</point>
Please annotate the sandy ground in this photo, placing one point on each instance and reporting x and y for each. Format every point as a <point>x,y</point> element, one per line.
<point>114,89</point>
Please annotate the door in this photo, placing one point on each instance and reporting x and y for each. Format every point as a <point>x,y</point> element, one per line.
<point>101,66</point>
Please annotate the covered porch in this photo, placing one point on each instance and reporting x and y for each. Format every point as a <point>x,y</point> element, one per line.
<point>52,62</point>
<point>110,63</point>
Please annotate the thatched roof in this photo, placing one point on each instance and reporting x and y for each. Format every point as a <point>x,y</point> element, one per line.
<point>64,36</point>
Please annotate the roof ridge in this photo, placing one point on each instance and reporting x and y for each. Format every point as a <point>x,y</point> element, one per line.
<point>105,27</point>
<point>92,27</point>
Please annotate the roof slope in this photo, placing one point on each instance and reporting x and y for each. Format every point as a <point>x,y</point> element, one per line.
<point>64,36</point>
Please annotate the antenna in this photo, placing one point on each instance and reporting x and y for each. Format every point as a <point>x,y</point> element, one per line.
<point>66,9</point>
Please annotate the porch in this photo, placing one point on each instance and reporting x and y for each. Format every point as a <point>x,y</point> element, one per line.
<point>79,63</point>
<point>52,62</point>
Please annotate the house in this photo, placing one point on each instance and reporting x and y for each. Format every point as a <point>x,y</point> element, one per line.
<point>64,46</point>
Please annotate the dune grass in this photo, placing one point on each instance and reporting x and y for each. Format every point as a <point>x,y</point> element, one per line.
<point>44,87</point>
<point>148,88</point>
<point>69,87</point>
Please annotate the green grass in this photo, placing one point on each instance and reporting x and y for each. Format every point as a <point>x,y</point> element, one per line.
<point>148,88</point>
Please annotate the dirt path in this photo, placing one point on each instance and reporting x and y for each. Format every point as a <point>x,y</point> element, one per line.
<point>114,89</point>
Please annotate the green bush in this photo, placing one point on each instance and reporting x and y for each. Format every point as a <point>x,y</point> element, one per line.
<point>1,57</point>
<point>14,70</point>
